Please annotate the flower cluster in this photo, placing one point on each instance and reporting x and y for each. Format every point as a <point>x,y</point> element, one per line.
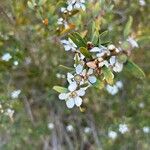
<point>94,66</point>
<point>73,4</point>
<point>70,6</point>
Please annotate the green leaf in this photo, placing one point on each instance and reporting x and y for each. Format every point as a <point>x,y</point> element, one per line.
<point>60,89</point>
<point>98,84</point>
<point>109,76</point>
<point>82,41</point>
<point>104,38</point>
<point>42,2</point>
<point>77,39</point>
<point>128,25</point>
<point>85,52</point>
<point>30,5</point>
<point>66,68</point>
<point>134,69</point>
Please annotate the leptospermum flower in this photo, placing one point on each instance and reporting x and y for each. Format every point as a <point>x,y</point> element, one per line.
<point>69,45</point>
<point>61,21</point>
<point>76,4</point>
<point>116,65</point>
<point>6,57</point>
<point>82,76</point>
<point>73,97</point>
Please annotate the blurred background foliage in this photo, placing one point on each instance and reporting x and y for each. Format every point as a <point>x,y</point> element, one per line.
<point>40,120</point>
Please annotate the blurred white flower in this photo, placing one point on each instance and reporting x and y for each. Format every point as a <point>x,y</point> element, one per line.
<point>146,129</point>
<point>59,76</point>
<point>133,42</point>
<point>50,126</point>
<point>119,84</point>
<point>9,112</point>
<point>61,21</point>
<point>15,94</point>
<point>87,130</point>
<point>16,63</point>
<point>142,2</point>
<point>76,4</point>
<point>112,134</point>
<point>123,128</point>
<point>69,45</point>
<point>6,57</point>
<point>69,128</point>
<point>112,89</point>
<point>141,105</point>
<point>73,97</point>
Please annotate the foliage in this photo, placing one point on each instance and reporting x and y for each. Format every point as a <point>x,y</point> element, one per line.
<point>112,116</point>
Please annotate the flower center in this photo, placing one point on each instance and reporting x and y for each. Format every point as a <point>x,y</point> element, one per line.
<point>73,94</point>
<point>78,78</point>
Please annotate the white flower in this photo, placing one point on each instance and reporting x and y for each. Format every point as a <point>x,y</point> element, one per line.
<point>81,76</point>
<point>73,97</point>
<point>119,84</point>
<point>69,128</point>
<point>146,129</point>
<point>123,128</point>
<point>86,74</point>
<point>50,126</point>
<point>133,42</point>
<point>112,134</point>
<point>87,130</point>
<point>76,4</point>
<point>69,45</point>
<point>141,105</point>
<point>142,2</point>
<point>117,67</point>
<point>16,63</point>
<point>101,51</point>
<point>6,57</point>
<point>15,94</point>
<point>112,89</point>
<point>61,21</point>
<point>9,112</point>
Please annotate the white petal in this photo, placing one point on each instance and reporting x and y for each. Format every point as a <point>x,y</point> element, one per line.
<point>79,69</point>
<point>119,84</point>
<point>95,49</point>
<point>64,42</point>
<point>70,76</point>
<point>67,47</point>
<point>92,79</point>
<point>81,92</point>
<point>83,72</point>
<point>83,7</point>
<point>69,8</point>
<point>63,96</point>
<point>118,67</point>
<point>70,103</point>
<point>78,101</point>
<point>112,60</point>
<point>90,71</point>
<point>77,5</point>
<point>72,86</point>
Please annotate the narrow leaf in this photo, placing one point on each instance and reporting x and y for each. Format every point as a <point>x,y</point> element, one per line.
<point>104,38</point>
<point>60,89</point>
<point>66,68</point>
<point>109,76</point>
<point>85,52</point>
<point>128,25</point>
<point>134,69</point>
